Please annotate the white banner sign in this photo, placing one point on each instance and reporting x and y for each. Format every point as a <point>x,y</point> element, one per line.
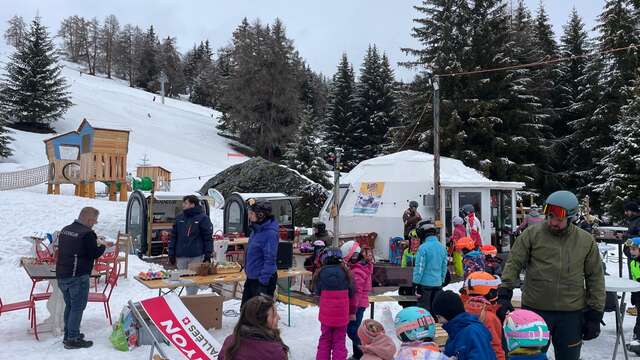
<point>181,328</point>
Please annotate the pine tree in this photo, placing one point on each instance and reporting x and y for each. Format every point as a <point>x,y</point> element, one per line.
<point>620,180</point>
<point>203,90</point>
<point>5,139</point>
<point>375,107</point>
<point>34,93</point>
<point>574,42</point>
<point>16,32</point>
<point>618,28</point>
<point>339,121</point>
<point>171,64</point>
<point>304,155</point>
<point>108,38</point>
<point>149,69</point>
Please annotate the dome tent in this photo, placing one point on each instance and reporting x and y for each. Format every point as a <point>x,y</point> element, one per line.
<point>377,191</point>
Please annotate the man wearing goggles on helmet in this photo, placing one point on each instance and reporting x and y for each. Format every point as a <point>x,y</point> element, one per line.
<point>564,281</point>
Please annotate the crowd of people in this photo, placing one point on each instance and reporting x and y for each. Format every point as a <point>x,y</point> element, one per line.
<point>563,294</point>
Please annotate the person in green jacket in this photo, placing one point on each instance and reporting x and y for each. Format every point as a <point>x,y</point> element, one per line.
<point>564,279</point>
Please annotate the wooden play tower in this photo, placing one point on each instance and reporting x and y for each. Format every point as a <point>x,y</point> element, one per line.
<point>87,155</point>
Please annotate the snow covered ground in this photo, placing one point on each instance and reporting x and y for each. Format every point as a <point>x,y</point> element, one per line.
<point>181,137</point>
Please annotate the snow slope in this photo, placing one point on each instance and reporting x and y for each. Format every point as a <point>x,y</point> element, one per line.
<point>178,135</point>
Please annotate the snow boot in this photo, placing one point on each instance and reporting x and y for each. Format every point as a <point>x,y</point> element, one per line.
<point>78,344</point>
<point>81,337</point>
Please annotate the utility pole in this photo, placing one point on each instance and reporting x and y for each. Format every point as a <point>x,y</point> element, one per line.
<point>436,149</point>
<point>336,197</point>
<point>163,79</point>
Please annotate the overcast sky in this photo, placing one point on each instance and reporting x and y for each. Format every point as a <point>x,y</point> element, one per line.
<point>321,30</point>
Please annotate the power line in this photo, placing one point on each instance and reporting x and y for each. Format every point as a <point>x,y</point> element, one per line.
<point>424,109</point>
<point>539,63</point>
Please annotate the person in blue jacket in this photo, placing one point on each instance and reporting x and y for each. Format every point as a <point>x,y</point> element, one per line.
<point>430,269</point>
<point>191,237</point>
<point>262,251</point>
<point>468,338</point>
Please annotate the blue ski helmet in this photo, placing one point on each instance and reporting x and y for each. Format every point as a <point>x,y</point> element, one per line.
<point>414,324</point>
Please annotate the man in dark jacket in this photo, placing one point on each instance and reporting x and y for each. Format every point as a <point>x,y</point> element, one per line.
<point>564,279</point>
<point>191,237</point>
<point>77,249</point>
<point>262,251</point>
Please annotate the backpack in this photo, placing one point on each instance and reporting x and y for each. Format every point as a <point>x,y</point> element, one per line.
<point>396,250</point>
<point>472,262</point>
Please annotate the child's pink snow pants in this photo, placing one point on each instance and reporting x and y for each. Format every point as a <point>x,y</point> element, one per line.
<point>332,342</point>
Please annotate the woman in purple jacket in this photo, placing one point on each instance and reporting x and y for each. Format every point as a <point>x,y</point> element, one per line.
<point>256,335</point>
<point>334,284</point>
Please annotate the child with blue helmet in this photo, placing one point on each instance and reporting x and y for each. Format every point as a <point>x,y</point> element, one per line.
<point>416,329</point>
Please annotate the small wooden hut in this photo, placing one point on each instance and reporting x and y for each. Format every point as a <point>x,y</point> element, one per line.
<point>87,155</point>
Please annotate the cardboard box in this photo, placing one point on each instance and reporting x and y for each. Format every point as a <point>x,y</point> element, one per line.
<point>207,308</point>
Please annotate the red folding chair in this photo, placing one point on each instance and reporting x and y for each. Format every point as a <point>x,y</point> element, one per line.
<point>104,296</point>
<point>22,305</point>
<point>105,264</point>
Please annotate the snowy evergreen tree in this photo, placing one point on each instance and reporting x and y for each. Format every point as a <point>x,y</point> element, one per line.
<point>171,63</point>
<point>304,155</point>
<point>620,180</point>
<point>33,93</point>
<point>375,107</point>
<point>573,42</point>
<point>149,69</point>
<point>203,88</point>
<point>5,139</point>
<point>618,28</point>
<point>340,122</point>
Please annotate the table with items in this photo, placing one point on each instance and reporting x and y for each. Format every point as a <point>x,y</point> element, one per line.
<point>165,286</point>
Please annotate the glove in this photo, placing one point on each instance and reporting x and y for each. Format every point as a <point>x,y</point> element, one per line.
<point>635,298</point>
<point>172,260</point>
<point>504,300</point>
<point>591,324</point>
<point>207,258</point>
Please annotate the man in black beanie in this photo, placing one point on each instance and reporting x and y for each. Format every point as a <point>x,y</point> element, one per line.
<point>468,337</point>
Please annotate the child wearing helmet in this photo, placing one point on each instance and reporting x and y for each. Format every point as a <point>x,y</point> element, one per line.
<point>430,270</point>
<point>472,259</point>
<point>467,338</point>
<point>334,284</point>
<point>634,267</point>
<point>479,296</point>
<point>409,260</point>
<point>527,334</point>
<point>375,344</point>
<point>313,263</point>
<point>416,329</point>
<point>459,231</point>
<point>492,263</point>
<point>361,270</point>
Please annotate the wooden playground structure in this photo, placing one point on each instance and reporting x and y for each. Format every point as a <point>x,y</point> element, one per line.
<point>87,155</point>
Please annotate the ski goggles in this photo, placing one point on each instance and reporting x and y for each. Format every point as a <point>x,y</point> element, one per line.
<point>557,211</point>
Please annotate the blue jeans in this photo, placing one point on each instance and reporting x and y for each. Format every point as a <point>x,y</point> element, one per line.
<point>352,332</point>
<point>76,292</point>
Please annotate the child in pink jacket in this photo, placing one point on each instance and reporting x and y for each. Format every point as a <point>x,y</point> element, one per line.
<point>334,284</point>
<point>361,270</point>
<point>375,344</point>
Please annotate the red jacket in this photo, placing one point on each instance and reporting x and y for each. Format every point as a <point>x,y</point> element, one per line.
<point>361,272</point>
<point>486,312</point>
<point>337,300</point>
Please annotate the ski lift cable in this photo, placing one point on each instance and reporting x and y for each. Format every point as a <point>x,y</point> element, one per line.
<point>415,126</point>
<point>540,63</point>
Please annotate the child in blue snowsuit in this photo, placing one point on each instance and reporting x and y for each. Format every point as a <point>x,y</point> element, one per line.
<point>468,338</point>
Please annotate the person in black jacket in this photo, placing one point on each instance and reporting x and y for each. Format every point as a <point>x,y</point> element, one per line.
<point>77,249</point>
<point>191,237</point>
